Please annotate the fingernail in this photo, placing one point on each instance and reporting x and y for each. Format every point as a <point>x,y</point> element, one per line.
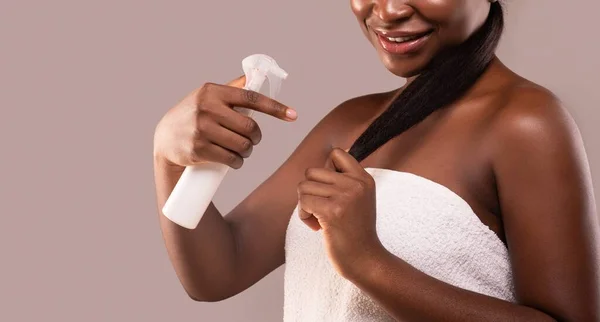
<point>290,113</point>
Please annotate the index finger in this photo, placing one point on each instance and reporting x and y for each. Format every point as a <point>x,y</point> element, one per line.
<point>256,101</point>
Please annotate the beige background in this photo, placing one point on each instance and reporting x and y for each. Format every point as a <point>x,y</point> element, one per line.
<point>83,84</point>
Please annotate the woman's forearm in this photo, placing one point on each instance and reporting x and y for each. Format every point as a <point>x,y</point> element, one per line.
<point>411,295</point>
<point>203,258</point>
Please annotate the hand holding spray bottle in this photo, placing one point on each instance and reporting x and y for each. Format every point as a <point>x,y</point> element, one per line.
<point>198,184</point>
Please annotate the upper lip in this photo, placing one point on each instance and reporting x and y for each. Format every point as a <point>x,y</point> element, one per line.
<point>400,33</point>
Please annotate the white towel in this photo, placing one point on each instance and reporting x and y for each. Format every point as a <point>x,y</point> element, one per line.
<point>419,220</point>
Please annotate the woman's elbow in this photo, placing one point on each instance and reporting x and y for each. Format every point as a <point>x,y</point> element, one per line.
<point>206,296</point>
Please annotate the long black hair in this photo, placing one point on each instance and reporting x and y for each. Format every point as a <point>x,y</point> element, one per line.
<point>446,78</point>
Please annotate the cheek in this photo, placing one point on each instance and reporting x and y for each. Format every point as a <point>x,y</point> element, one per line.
<point>360,8</point>
<point>452,18</point>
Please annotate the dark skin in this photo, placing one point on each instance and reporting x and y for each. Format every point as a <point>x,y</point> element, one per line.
<point>508,148</point>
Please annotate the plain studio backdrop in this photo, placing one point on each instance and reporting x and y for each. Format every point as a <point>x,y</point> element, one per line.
<point>83,84</point>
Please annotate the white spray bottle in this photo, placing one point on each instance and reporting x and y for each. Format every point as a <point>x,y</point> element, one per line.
<point>198,184</point>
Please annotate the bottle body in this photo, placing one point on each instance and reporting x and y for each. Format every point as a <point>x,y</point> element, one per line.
<point>193,193</point>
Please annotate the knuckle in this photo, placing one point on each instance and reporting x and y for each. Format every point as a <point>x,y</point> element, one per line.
<point>302,186</point>
<point>201,127</point>
<point>359,186</point>
<point>202,96</point>
<point>196,131</point>
<point>201,108</point>
<point>207,87</point>
<point>231,158</point>
<point>234,161</point>
<point>337,152</point>
<point>250,125</point>
<point>246,144</point>
<point>250,96</point>
<point>336,210</point>
<point>197,150</point>
<point>244,148</point>
<point>309,172</point>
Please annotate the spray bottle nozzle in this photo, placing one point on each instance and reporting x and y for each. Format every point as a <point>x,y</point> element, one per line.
<point>257,67</point>
<point>277,71</point>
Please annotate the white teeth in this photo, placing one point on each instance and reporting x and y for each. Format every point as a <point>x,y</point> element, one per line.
<point>402,39</point>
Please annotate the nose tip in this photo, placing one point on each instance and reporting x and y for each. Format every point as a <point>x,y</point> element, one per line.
<point>392,10</point>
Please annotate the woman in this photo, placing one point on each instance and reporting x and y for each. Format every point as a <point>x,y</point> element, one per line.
<point>484,209</point>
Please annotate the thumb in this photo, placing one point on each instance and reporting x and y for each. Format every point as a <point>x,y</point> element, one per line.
<point>335,164</point>
<point>239,82</point>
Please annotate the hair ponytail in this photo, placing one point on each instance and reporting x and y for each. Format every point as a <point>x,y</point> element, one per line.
<point>449,75</point>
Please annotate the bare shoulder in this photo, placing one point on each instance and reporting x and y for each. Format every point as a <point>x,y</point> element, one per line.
<point>532,117</point>
<point>534,133</point>
<point>536,145</point>
<point>528,102</point>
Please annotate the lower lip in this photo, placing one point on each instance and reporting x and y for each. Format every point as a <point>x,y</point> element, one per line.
<point>403,48</point>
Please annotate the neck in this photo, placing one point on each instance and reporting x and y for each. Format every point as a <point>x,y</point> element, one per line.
<point>410,80</point>
<point>494,64</point>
